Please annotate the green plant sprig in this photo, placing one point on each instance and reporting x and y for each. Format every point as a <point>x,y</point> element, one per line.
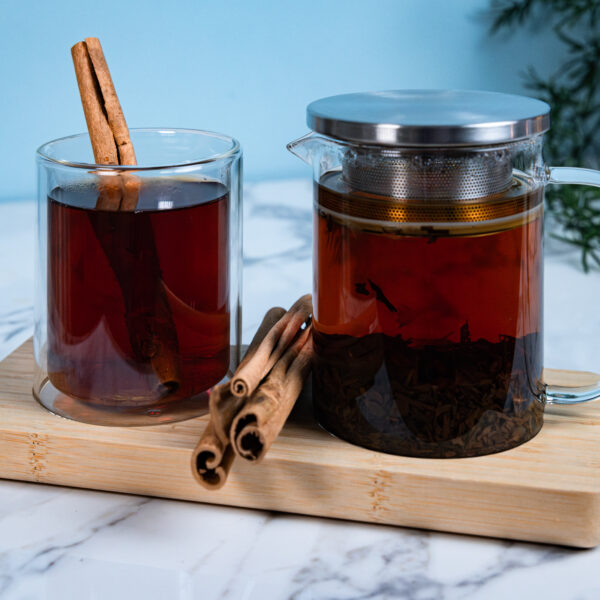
<point>573,92</point>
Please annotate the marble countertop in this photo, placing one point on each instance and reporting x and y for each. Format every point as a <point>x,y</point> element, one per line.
<point>61,543</point>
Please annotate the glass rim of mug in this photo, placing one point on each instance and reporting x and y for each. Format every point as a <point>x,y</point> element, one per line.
<point>234,148</point>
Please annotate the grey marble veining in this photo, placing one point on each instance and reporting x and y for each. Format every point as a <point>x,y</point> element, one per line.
<point>60,543</point>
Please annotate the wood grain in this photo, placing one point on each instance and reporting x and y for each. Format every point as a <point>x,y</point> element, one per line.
<point>547,490</point>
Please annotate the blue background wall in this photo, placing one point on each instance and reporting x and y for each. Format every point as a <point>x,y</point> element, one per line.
<point>243,67</point>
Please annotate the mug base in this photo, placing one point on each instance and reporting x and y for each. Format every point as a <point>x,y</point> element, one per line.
<point>63,405</point>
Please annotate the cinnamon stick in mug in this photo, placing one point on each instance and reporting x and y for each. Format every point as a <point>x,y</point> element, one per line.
<point>130,184</point>
<point>148,317</point>
<point>263,416</point>
<point>250,374</point>
<point>112,106</point>
<point>101,137</point>
<point>106,124</point>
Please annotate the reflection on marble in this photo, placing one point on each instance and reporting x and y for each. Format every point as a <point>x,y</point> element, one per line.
<point>59,543</point>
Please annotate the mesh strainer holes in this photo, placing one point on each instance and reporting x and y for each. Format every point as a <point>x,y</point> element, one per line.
<point>428,176</point>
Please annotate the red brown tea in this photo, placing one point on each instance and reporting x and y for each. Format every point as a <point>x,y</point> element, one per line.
<point>138,302</point>
<point>427,336</point>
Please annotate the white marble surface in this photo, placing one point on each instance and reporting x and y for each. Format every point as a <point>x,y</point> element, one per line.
<point>59,543</point>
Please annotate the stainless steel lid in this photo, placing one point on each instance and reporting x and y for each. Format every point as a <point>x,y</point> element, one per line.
<point>429,117</point>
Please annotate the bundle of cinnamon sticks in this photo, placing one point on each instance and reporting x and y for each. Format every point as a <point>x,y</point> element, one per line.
<point>248,412</point>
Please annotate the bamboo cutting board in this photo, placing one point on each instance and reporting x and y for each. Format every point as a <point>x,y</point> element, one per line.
<point>547,490</point>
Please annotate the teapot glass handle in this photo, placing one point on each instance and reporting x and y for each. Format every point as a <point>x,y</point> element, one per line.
<point>586,386</point>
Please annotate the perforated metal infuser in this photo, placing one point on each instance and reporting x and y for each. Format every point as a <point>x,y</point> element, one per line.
<point>451,175</point>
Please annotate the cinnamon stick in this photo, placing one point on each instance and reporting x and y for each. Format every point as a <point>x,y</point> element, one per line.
<point>112,106</point>
<point>213,456</point>
<point>212,459</point>
<point>101,136</point>
<point>223,405</point>
<point>282,350</point>
<point>250,374</point>
<point>263,416</point>
<point>107,127</point>
<point>148,316</point>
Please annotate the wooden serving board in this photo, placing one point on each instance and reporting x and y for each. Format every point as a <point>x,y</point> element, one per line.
<point>547,490</point>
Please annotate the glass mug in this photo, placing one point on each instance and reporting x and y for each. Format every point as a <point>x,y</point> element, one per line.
<point>428,230</point>
<point>137,307</point>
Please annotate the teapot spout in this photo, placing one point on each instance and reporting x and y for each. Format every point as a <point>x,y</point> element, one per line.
<point>306,147</point>
<point>323,153</point>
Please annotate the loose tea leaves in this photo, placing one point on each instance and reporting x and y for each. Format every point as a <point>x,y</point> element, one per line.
<point>451,400</point>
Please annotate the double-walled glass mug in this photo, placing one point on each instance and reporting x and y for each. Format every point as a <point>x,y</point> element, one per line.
<point>137,311</point>
<point>428,269</point>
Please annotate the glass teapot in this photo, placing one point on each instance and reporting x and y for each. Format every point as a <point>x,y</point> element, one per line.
<point>428,269</point>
